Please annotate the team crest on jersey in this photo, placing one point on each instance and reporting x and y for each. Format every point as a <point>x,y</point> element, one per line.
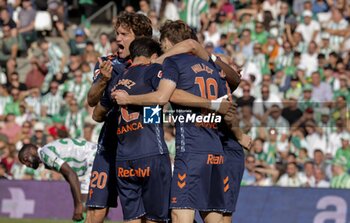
<point>160,74</point>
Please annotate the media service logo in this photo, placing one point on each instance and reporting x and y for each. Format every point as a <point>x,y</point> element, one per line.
<point>151,114</point>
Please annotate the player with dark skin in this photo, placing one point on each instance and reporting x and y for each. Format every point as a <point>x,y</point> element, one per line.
<point>30,158</point>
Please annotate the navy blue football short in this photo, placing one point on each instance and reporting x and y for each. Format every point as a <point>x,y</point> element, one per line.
<point>144,187</point>
<point>234,167</point>
<point>103,183</point>
<point>198,182</point>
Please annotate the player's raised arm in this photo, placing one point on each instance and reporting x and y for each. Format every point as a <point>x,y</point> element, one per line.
<point>72,178</point>
<point>186,46</point>
<point>233,76</point>
<point>159,97</point>
<point>98,87</point>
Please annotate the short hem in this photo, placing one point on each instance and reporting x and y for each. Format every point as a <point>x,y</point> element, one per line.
<point>203,210</point>
<point>154,219</point>
<point>228,212</point>
<point>100,206</point>
<point>182,208</point>
<point>133,218</point>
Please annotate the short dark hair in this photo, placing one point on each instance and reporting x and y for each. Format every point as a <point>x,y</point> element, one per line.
<point>292,154</point>
<point>321,56</point>
<point>41,41</point>
<point>176,31</point>
<point>297,54</point>
<point>140,24</point>
<point>144,46</point>
<point>25,148</point>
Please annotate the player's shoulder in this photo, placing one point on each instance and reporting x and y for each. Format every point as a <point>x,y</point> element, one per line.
<point>154,66</point>
<point>178,57</point>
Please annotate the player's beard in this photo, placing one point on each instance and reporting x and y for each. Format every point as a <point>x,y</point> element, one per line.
<point>35,162</point>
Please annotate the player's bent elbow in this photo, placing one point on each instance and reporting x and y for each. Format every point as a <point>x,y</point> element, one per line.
<point>97,118</point>
<point>192,44</point>
<point>92,102</point>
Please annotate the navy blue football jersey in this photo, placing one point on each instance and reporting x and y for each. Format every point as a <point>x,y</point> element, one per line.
<point>201,78</point>
<point>136,139</point>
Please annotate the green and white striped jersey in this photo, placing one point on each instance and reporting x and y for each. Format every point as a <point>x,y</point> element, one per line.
<point>52,102</point>
<point>77,153</point>
<point>193,10</point>
<point>336,40</point>
<point>80,91</point>
<point>341,182</point>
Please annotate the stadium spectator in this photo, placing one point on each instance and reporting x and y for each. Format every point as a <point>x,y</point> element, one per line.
<point>103,47</point>
<point>319,160</point>
<point>261,178</point>
<point>39,138</point>
<point>249,175</point>
<point>75,119</point>
<point>52,100</point>
<point>292,178</point>
<point>8,50</point>
<point>309,174</point>
<point>247,99</point>
<point>320,179</point>
<point>168,11</point>
<point>15,83</point>
<point>341,178</point>
<point>291,112</point>
<point>11,129</point>
<point>56,62</point>
<point>6,20</point>
<point>321,92</point>
<point>26,20</point>
<point>35,77</point>
<point>344,150</point>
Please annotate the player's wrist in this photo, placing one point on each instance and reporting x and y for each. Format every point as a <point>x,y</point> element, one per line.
<point>104,79</point>
<point>215,104</point>
<point>213,57</point>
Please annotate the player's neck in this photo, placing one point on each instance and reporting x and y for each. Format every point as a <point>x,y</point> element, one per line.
<point>141,61</point>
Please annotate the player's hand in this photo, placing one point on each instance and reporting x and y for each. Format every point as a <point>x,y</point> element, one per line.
<point>78,213</point>
<point>106,69</point>
<point>246,141</point>
<point>231,116</point>
<point>220,105</point>
<point>224,106</point>
<point>121,97</point>
<point>238,69</point>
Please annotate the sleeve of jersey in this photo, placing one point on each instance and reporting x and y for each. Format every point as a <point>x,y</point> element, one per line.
<point>156,76</point>
<point>222,87</point>
<point>214,65</point>
<point>170,70</point>
<point>50,158</point>
<point>96,73</point>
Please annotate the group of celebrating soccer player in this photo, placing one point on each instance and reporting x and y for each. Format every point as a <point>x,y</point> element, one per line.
<point>132,158</point>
